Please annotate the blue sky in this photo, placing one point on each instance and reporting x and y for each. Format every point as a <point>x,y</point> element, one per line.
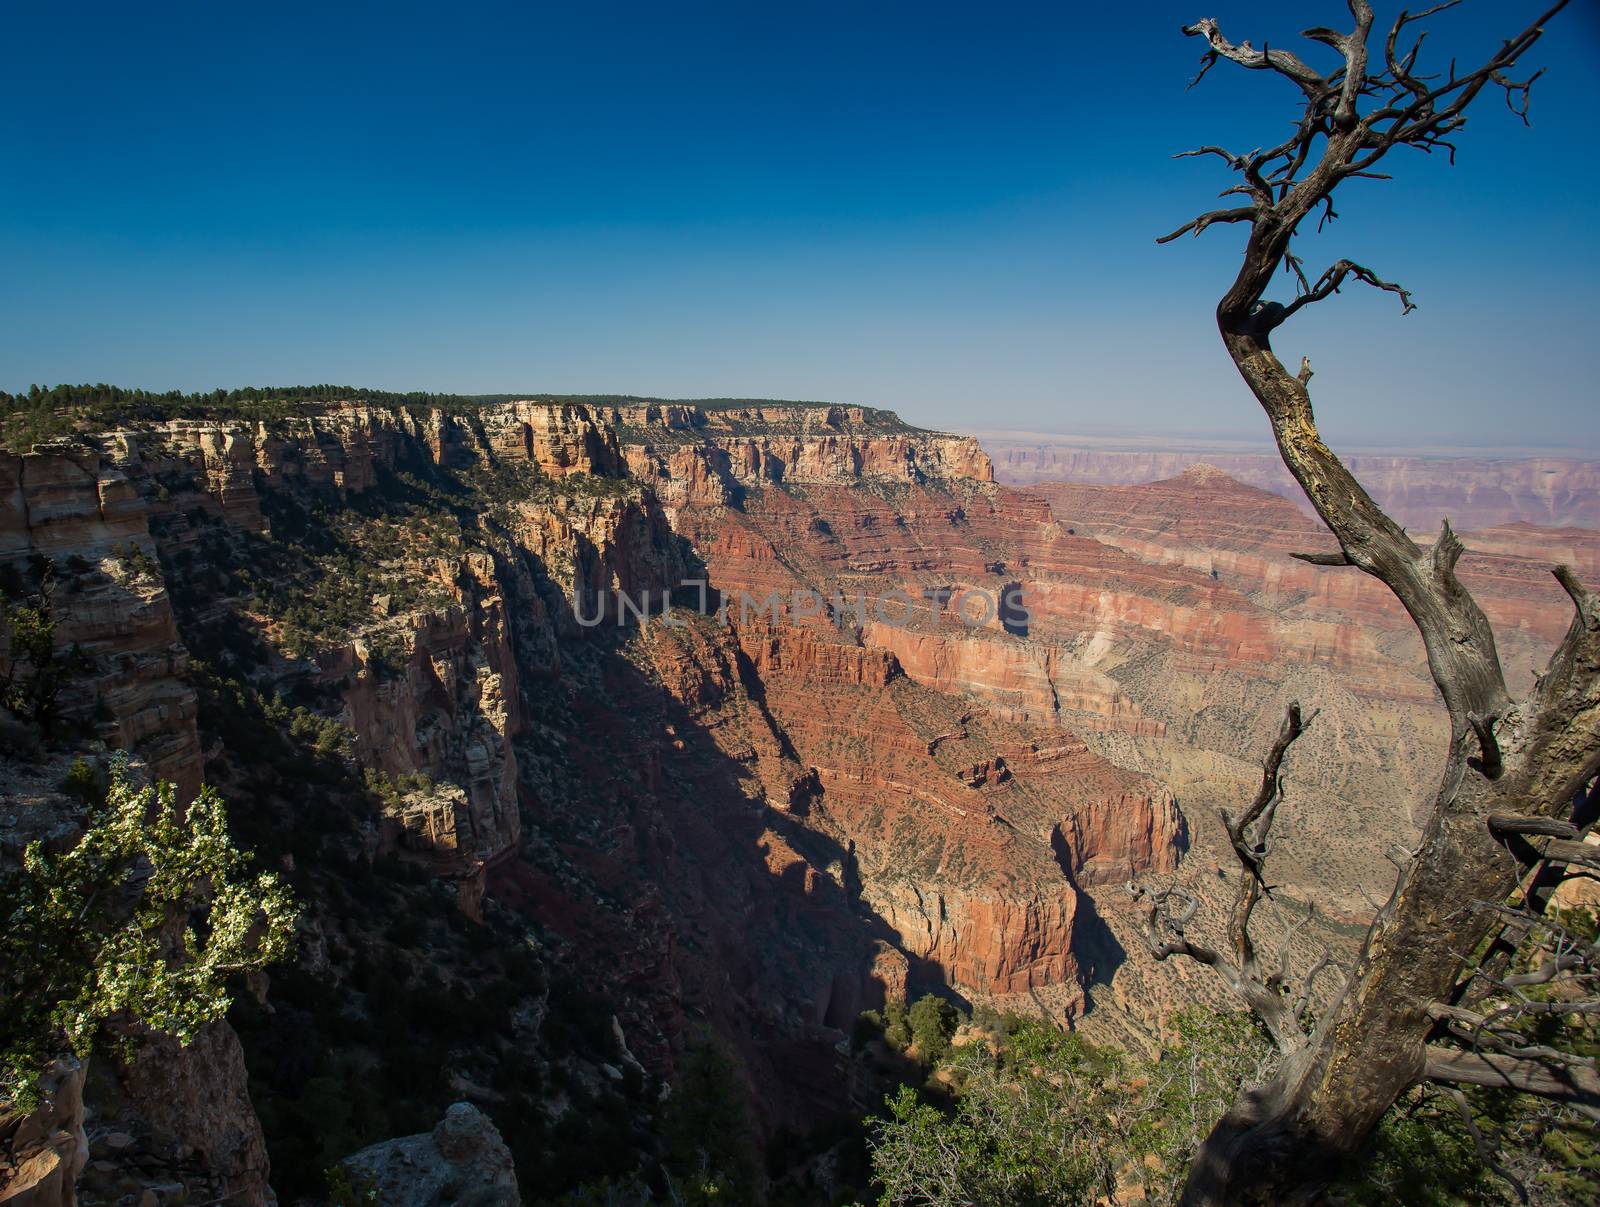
<point>949,209</point>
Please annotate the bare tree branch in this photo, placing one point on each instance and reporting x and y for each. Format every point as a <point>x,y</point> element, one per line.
<point>1249,849</point>
<point>1328,284</point>
<point>1577,1086</point>
<point>1496,1030</point>
<point>1515,823</point>
<point>1281,61</point>
<point>1485,1150</point>
<point>1323,559</point>
<point>1302,1006</point>
<point>1240,969</point>
<point>1242,214</point>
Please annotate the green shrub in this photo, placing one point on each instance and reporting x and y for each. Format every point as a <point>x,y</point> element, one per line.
<point>1040,1117</point>
<point>710,1141</point>
<point>343,1192</point>
<point>868,1027</point>
<point>933,1021</point>
<point>73,954</point>
<point>896,1024</point>
<point>32,671</point>
<point>84,782</point>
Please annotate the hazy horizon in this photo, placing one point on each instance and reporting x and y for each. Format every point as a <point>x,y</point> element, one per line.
<point>944,212</point>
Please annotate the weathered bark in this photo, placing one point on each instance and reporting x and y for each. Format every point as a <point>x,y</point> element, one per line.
<point>1566,1084</point>
<point>1283,1142</point>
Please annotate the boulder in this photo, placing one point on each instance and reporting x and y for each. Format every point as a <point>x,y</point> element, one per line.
<point>42,1153</point>
<point>462,1161</point>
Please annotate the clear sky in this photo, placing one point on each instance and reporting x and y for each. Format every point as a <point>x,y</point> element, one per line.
<point>948,209</point>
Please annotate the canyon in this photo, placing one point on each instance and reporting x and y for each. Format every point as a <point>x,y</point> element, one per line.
<point>619,724</point>
<point>1473,488</point>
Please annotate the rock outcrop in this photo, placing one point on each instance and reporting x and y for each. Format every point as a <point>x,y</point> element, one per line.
<point>699,458</point>
<point>78,507</point>
<point>42,1152</point>
<point>178,1116</point>
<point>448,711</point>
<point>463,1160</point>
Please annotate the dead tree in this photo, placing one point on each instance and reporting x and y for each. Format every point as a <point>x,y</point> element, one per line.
<point>1513,766</point>
<point>1168,913</point>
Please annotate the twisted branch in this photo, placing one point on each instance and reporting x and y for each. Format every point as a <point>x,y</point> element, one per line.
<point>1328,284</point>
<point>1265,992</point>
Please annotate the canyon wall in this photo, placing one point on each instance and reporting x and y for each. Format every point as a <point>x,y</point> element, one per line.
<point>417,580</point>
<point>1243,537</point>
<point>1473,490</point>
<point>433,687</point>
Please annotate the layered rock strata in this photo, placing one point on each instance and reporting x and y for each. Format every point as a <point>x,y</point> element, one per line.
<point>1474,491</point>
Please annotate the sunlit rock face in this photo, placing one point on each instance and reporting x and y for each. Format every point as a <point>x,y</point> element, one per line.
<point>1243,537</point>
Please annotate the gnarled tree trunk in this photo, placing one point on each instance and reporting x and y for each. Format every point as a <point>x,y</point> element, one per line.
<point>1283,1142</point>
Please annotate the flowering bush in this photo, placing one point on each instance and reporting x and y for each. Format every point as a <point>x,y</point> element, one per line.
<point>143,920</point>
